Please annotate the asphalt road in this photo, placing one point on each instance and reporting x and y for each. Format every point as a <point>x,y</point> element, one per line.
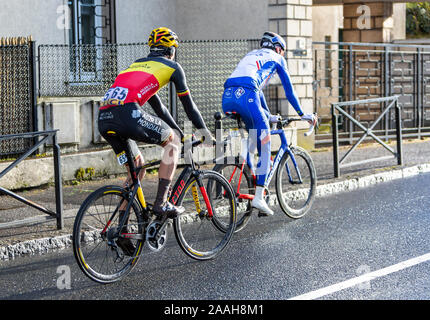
<point>374,231</point>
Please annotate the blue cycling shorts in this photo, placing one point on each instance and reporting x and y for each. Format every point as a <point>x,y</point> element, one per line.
<point>247,102</point>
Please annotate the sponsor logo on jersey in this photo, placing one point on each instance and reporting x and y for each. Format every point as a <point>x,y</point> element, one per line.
<point>148,88</point>
<point>239,92</point>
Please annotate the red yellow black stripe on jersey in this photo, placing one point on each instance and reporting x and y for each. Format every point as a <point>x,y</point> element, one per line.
<point>160,71</point>
<point>143,79</point>
<point>184,93</point>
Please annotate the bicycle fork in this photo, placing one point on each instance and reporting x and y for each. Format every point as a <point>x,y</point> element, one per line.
<point>299,176</point>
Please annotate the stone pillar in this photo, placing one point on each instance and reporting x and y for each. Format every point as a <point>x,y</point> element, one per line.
<point>292,19</point>
<point>367,21</point>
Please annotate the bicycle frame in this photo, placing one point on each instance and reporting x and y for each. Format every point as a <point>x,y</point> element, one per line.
<point>285,148</point>
<point>136,189</point>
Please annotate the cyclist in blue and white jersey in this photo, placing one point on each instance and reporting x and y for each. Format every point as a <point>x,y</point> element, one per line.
<point>243,94</point>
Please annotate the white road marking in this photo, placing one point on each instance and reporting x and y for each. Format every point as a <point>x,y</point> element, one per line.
<point>363,278</point>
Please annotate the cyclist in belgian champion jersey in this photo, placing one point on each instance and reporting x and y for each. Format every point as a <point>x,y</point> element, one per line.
<point>122,118</point>
<point>243,94</point>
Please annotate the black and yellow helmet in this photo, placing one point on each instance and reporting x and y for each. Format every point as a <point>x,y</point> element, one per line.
<point>163,37</point>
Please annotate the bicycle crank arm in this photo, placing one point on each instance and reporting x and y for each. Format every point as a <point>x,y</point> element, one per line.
<point>160,231</point>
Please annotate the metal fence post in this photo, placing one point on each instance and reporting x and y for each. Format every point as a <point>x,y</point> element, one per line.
<point>58,183</point>
<point>351,79</point>
<point>33,84</point>
<point>399,133</point>
<point>335,141</point>
<point>220,148</point>
<point>419,95</point>
<point>386,89</point>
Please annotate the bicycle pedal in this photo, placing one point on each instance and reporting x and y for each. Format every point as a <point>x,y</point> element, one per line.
<point>262,215</point>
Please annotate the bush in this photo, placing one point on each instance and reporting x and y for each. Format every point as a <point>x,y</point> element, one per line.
<point>418,19</point>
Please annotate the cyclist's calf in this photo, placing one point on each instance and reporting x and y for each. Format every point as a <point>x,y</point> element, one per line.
<point>170,157</point>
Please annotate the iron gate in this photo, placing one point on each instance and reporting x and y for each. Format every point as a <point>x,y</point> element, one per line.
<point>17,94</point>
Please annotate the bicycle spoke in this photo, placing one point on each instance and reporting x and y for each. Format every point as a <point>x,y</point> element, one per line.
<point>296,183</point>
<point>200,236</point>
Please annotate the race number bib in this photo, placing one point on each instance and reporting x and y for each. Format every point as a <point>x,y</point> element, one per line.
<point>115,96</point>
<point>122,158</point>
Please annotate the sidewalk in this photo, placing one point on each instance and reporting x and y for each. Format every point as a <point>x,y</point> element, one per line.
<point>40,238</point>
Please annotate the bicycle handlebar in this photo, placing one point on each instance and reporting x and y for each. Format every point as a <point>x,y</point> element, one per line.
<point>311,130</point>
<point>286,122</point>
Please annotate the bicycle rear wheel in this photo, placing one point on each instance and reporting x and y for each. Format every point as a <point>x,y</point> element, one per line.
<point>200,236</point>
<point>296,185</point>
<point>234,174</point>
<point>96,251</point>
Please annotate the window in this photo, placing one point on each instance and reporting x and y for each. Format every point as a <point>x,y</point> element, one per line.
<point>92,24</point>
<point>93,21</point>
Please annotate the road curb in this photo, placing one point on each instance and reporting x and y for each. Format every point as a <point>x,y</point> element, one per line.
<point>45,245</point>
<point>367,181</point>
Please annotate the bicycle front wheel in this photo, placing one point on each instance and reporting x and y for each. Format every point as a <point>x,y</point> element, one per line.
<point>200,235</point>
<point>94,242</point>
<point>296,181</point>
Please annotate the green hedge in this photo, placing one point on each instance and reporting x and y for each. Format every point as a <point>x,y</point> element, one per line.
<point>418,19</point>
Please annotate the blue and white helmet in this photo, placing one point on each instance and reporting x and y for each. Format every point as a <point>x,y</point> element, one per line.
<point>271,40</point>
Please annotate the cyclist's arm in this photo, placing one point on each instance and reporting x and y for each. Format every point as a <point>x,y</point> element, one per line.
<point>163,113</point>
<point>288,86</point>
<point>184,95</point>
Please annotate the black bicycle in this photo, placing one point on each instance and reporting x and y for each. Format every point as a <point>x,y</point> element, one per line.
<point>202,232</point>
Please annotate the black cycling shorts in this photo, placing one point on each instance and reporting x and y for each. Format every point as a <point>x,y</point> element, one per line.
<point>119,124</point>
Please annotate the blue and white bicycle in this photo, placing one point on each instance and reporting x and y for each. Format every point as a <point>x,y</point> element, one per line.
<point>292,166</point>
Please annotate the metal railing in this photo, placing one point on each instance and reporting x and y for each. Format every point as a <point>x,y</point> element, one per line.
<point>337,109</point>
<point>57,177</point>
<point>356,71</point>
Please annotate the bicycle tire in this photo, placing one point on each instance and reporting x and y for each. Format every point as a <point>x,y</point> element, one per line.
<point>244,207</point>
<point>91,250</point>
<point>301,194</point>
<point>201,237</point>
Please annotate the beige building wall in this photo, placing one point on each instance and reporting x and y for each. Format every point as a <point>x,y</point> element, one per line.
<point>38,19</point>
<point>221,19</point>
<point>327,20</point>
<point>192,19</point>
<point>399,21</point>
